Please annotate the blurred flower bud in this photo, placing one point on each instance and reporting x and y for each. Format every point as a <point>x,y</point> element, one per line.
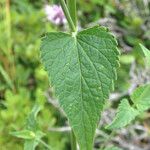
<point>55,14</point>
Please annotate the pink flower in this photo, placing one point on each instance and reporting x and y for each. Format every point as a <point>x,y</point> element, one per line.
<point>55,14</point>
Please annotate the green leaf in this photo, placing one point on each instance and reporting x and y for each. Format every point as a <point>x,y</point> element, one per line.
<point>146,54</point>
<point>6,77</point>
<point>30,144</point>
<point>31,134</point>
<point>31,123</point>
<point>31,139</point>
<point>81,69</point>
<point>126,59</point>
<point>125,114</point>
<point>141,97</point>
<point>113,148</point>
<point>24,134</point>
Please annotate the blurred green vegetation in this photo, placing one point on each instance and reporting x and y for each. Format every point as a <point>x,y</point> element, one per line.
<point>23,80</point>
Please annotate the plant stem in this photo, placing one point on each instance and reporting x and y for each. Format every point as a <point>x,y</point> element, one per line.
<point>73,141</point>
<point>9,52</point>
<point>68,17</point>
<point>47,146</point>
<point>8,24</point>
<point>72,9</point>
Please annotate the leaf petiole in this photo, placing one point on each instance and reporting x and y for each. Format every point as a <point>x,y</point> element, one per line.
<point>72,9</point>
<point>68,17</point>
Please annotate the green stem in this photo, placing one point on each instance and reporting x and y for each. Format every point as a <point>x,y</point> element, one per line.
<point>9,51</point>
<point>47,146</point>
<point>72,9</point>
<point>68,17</point>
<point>8,24</point>
<point>73,141</point>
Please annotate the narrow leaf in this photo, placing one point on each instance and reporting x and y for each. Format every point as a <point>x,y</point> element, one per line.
<point>31,123</point>
<point>30,144</point>
<point>141,97</point>
<point>81,69</point>
<point>24,134</point>
<point>6,77</point>
<point>146,54</point>
<point>125,114</point>
<point>113,148</point>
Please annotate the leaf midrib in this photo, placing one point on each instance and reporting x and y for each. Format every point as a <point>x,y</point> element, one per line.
<point>78,57</point>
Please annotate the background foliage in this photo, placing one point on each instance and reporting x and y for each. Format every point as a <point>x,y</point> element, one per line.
<point>24,83</point>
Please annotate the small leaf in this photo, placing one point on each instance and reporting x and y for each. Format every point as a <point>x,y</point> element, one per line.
<point>24,134</point>
<point>141,97</point>
<point>6,77</point>
<point>31,134</point>
<point>32,143</point>
<point>125,114</point>
<point>113,148</point>
<point>31,122</point>
<point>82,69</point>
<point>126,59</point>
<point>146,54</point>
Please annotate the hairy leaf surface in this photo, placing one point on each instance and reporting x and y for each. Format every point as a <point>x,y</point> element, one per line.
<point>125,114</point>
<point>141,97</point>
<point>81,69</point>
